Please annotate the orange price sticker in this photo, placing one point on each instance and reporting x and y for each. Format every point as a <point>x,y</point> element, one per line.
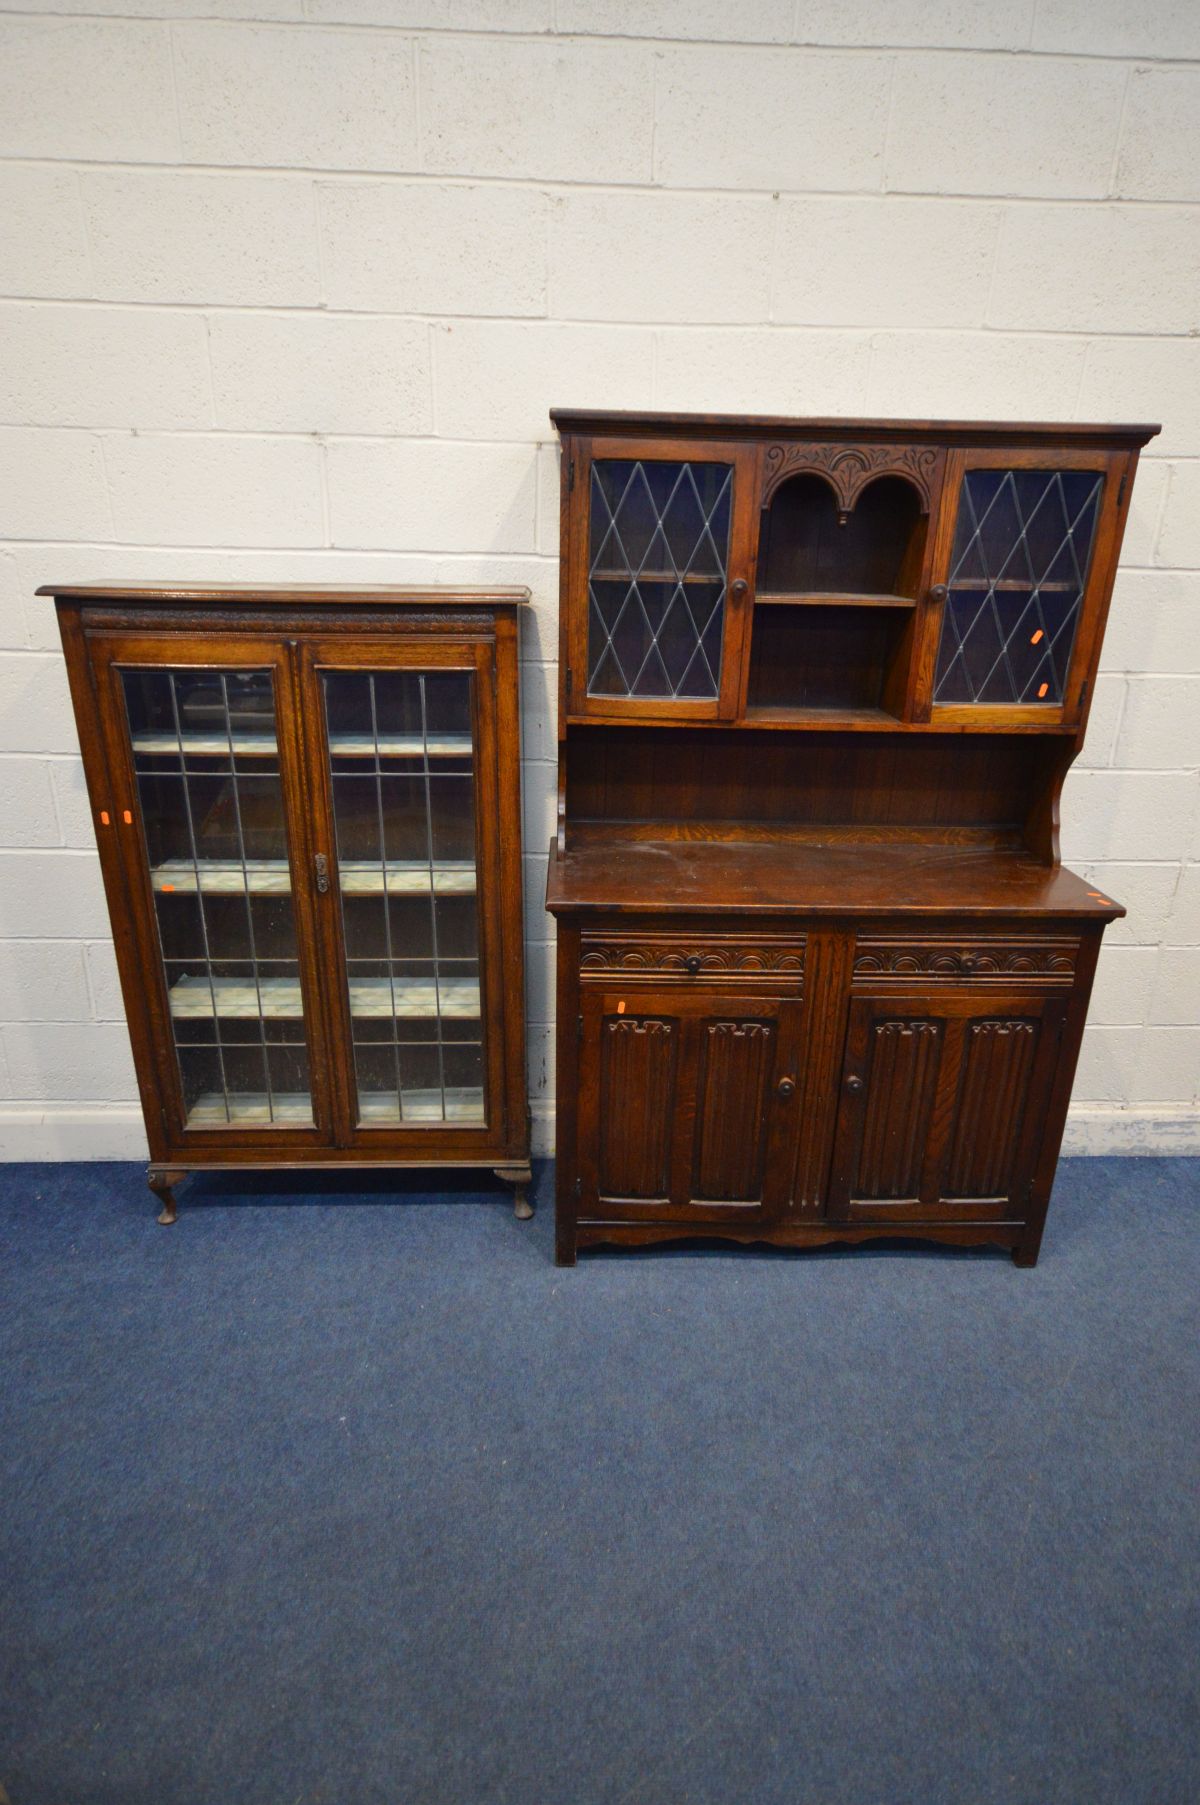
<point>1037,636</point>
<point>104,817</point>
<point>1042,690</point>
<point>167,889</point>
<point>620,1008</point>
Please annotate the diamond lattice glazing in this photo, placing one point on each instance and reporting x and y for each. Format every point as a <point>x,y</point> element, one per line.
<point>1022,546</point>
<point>658,557</point>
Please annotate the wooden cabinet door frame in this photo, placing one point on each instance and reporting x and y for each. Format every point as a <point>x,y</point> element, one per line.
<point>739,579</point>
<point>145,989</point>
<point>933,1103</point>
<point>414,653</point>
<point>670,1100</point>
<point>1117,469</point>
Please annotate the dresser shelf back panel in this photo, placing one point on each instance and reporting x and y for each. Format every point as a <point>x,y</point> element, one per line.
<point>823,657</point>
<point>809,539</point>
<point>696,783</point>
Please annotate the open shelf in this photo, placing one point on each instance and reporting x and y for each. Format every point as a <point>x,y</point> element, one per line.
<point>280,998</point>
<point>849,718</point>
<point>657,576</point>
<point>808,545</point>
<point>255,1107</point>
<point>341,745</point>
<point>250,1107</point>
<point>462,1105</point>
<point>272,877</point>
<point>1024,584</point>
<point>824,598</point>
<point>823,657</point>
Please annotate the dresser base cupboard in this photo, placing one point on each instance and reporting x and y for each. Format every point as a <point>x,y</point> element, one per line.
<point>307,807</point>
<point>821,974</point>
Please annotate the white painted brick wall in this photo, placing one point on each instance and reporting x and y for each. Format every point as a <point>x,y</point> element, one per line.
<point>287,287</point>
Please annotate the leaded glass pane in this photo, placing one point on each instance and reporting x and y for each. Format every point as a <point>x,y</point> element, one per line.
<point>657,563</point>
<point>206,764</point>
<point>1022,545</point>
<point>402,769</point>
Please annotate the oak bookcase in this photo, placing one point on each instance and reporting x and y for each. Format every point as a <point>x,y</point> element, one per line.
<point>307,805</point>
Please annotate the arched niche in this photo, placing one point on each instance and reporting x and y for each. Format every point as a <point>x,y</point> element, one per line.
<point>810,544</point>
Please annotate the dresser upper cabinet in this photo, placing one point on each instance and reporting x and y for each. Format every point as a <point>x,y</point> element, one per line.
<point>307,809</point>
<point>904,573</point>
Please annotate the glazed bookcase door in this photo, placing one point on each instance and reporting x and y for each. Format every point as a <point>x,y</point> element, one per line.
<point>402,745</point>
<point>688,1104</point>
<point>1025,571</point>
<point>659,579</point>
<point>206,765</point>
<point>943,1102</point>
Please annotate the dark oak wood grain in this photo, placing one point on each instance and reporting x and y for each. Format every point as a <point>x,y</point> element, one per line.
<point>297,635</point>
<point>821,975</point>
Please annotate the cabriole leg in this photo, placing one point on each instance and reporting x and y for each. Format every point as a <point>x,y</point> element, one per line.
<point>520,1177</point>
<point>162,1181</point>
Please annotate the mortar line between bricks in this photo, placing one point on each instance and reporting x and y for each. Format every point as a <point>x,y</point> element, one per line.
<point>1034,13</point>
<point>419,316</point>
<point>860,328</point>
<point>1119,143</point>
<point>553,37</point>
<point>312,309</point>
<point>169,29</point>
<point>566,185</point>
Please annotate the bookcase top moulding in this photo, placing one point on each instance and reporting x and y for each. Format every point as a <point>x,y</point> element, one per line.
<point>286,595</point>
<point>940,432</point>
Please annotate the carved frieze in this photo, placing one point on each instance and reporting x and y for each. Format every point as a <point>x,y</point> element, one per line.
<point>848,468</point>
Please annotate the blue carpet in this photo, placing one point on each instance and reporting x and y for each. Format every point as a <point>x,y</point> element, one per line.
<point>315,1500</point>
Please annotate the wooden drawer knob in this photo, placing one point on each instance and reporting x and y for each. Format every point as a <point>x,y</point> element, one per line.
<point>786,1086</point>
<point>854,1084</point>
<point>692,964</point>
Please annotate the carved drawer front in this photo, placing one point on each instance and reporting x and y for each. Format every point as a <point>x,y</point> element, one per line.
<point>904,960</point>
<point>741,959</point>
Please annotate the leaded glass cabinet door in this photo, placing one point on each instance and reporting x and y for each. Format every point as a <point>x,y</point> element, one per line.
<point>661,581</point>
<point>406,750</point>
<point>218,884</point>
<point>1020,601</point>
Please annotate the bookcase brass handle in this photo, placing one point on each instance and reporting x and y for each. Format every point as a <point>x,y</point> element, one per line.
<point>322,865</point>
<point>786,1086</point>
<point>854,1084</point>
<point>938,593</point>
<point>738,588</point>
